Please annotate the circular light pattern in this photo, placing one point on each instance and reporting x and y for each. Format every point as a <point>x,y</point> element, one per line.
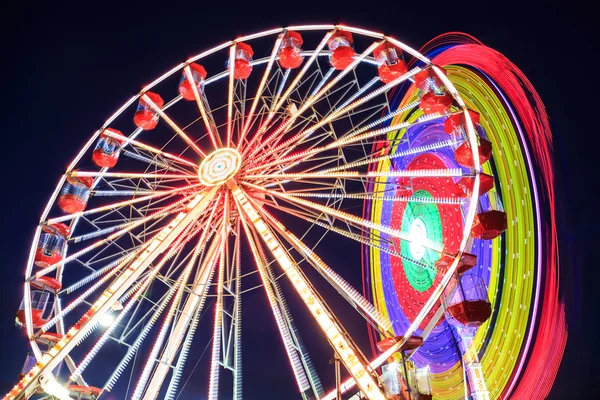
<point>513,266</point>
<point>219,166</point>
<point>422,222</point>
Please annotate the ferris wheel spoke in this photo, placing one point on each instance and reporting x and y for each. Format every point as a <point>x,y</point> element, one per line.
<point>207,117</point>
<point>340,341</point>
<point>167,210</point>
<point>252,149</point>
<point>335,280</point>
<point>119,286</point>
<point>173,125</point>
<point>365,237</point>
<point>131,175</point>
<point>97,273</point>
<point>345,216</point>
<point>180,285</point>
<point>347,140</point>
<point>108,332</point>
<point>183,354</point>
<point>154,162</point>
<point>120,204</point>
<point>427,307</point>
<point>450,172</point>
<point>368,159</point>
<point>277,135</point>
<point>379,196</point>
<point>141,145</point>
<point>213,386</point>
<point>194,301</point>
<point>230,96</point>
<point>284,332</point>
<point>259,91</point>
<point>156,312</point>
<point>111,271</point>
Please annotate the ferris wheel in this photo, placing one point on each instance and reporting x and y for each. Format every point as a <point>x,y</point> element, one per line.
<point>226,175</point>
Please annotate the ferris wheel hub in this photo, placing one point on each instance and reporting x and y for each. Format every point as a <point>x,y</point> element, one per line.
<point>219,166</point>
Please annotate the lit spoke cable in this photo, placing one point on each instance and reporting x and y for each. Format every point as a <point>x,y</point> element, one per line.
<point>150,149</point>
<point>211,129</point>
<point>183,354</point>
<point>176,246</point>
<point>454,172</point>
<point>354,236</point>
<point>383,197</point>
<point>347,140</point>
<point>359,92</point>
<point>132,350</point>
<point>213,386</point>
<point>237,363</point>
<point>322,82</point>
<point>199,288</point>
<point>180,286</point>
<point>230,91</point>
<point>340,341</point>
<point>118,287</point>
<point>131,175</point>
<point>292,142</point>
<point>260,90</point>
<point>251,146</point>
<point>331,276</point>
<point>392,156</point>
<point>122,204</point>
<point>138,341</point>
<point>277,134</point>
<point>106,334</point>
<point>284,333</point>
<point>173,125</point>
<point>165,211</point>
<point>350,218</point>
<point>154,162</point>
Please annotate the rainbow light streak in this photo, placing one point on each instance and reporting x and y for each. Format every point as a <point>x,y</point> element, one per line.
<point>528,317</point>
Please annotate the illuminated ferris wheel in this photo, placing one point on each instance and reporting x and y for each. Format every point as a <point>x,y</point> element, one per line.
<point>244,159</point>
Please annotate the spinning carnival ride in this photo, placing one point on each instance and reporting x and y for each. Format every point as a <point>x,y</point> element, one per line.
<point>235,181</point>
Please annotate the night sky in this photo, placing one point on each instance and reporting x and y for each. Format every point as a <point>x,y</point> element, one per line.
<point>67,67</point>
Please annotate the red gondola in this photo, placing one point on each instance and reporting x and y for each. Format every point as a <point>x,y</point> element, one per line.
<point>432,103</point>
<point>428,81</point>
<point>145,116</point>
<point>464,155</point>
<point>242,66</point>
<point>464,187</point>
<point>489,224</point>
<point>86,390</point>
<point>290,54</point>
<point>46,282</point>
<point>49,337</point>
<point>341,47</point>
<point>75,193</point>
<point>411,343</point>
<point>455,124</point>
<point>465,263</point>
<point>466,302</point>
<point>51,244</point>
<point>39,301</point>
<point>198,76</point>
<point>106,152</point>
<point>391,66</point>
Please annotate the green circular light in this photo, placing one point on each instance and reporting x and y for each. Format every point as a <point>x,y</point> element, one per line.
<point>420,221</point>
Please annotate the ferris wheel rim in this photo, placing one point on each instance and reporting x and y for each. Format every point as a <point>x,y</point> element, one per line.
<point>469,125</point>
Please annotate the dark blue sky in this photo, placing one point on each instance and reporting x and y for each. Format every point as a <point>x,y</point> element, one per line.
<point>68,66</point>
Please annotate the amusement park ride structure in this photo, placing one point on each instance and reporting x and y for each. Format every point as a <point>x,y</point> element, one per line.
<point>295,138</point>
